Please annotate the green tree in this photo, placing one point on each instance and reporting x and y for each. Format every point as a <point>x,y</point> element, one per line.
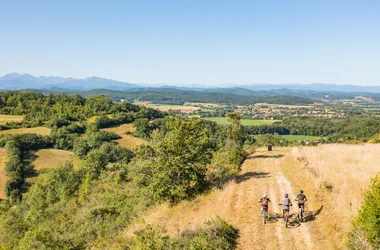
<point>142,127</point>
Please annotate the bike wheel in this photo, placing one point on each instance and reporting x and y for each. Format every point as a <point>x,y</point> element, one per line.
<point>264,214</point>
<point>286,219</point>
<point>300,214</point>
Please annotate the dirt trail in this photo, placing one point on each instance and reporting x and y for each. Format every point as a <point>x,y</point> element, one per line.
<point>237,203</point>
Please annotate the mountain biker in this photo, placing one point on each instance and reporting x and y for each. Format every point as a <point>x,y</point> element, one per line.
<point>264,202</point>
<point>301,198</point>
<point>286,203</point>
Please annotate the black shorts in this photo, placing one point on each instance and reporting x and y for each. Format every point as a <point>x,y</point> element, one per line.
<point>301,205</point>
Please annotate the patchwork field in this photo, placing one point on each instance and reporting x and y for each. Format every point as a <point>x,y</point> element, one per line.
<point>10,118</point>
<point>127,141</point>
<point>3,176</point>
<point>244,122</point>
<point>36,130</point>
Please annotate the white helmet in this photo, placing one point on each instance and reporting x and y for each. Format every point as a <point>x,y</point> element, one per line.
<point>265,196</point>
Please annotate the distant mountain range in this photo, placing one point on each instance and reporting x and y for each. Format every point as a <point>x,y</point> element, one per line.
<point>15,81</point>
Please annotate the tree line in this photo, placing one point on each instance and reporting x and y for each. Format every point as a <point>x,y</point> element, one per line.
<point>177,97</point>
<point>351,127</point>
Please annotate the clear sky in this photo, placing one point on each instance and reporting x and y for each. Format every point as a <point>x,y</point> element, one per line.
<point>194,42</point>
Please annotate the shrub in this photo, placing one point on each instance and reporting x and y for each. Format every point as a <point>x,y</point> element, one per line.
<point>216,235</point>
<point>366,226</point>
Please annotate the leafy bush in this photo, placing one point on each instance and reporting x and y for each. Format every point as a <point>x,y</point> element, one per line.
<point>215,235</point>
<point>366,226</point>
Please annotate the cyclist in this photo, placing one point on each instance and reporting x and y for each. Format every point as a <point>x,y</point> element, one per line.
<point>286,203</point>
<point>301,198</point>
<point>264,204</point>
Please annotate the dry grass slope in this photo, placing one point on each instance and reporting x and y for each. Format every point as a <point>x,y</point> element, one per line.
<point>339,174</point>
<point>45,159</point>
<point>52,158</point>
<point>127,141</point>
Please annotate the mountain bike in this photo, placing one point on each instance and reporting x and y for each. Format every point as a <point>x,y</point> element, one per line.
<point>264,214</point>
<point>300,211</point>
<point>285,215</point>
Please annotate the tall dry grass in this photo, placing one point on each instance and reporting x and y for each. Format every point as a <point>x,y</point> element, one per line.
<point>342,173</point>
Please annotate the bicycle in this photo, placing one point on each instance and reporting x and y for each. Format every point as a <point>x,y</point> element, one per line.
<point>285,215</point>
<point>264,214</point>
<point>300,211</point>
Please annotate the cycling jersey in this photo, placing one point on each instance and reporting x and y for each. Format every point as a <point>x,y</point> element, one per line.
<point>265,202</point>
<point>286,203</point>
<point>301,198</point>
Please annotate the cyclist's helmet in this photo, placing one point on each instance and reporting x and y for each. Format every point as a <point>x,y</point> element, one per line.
<point>286,195</point>
<point>265,196</point>
<point>301,191</point>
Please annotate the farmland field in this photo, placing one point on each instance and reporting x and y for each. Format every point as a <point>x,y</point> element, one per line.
<point>165,107</point>
<point>244,122</point>
<point>300,137</point>
<point>3,176</point>
<point>36,130</point>
<point>127,141</point>
<point>10,118</point>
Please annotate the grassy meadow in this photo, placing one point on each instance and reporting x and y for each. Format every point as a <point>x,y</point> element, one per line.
<point>42,161</point>
<point>10,118</point>
<point>36,130</point>
<point>244,122</point>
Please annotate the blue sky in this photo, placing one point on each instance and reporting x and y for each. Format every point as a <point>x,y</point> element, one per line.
<point>194,42</point>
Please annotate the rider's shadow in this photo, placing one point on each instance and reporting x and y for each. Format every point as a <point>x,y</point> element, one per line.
<point>294,222</point>
<point>311,215</point>
<point>273,217</point>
